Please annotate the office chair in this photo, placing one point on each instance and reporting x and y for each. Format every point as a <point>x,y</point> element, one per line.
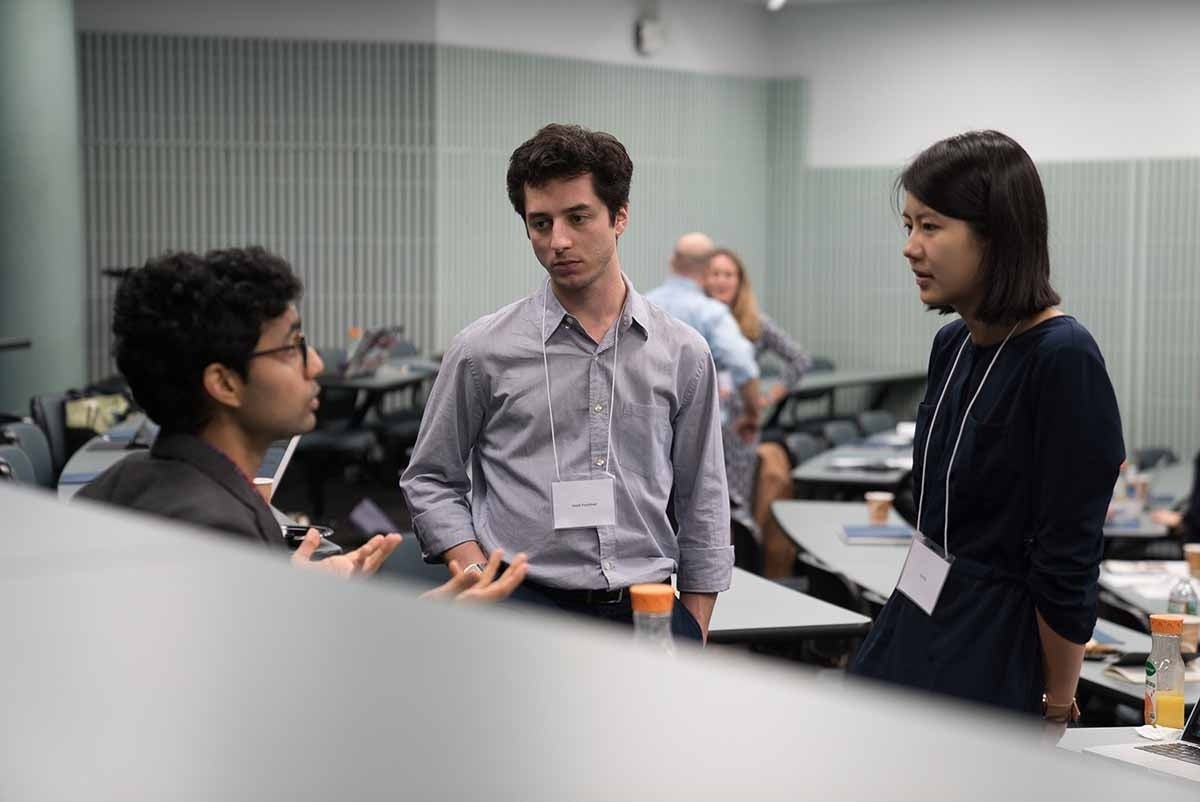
<point>839,432</point>
<point>802,446</point>
<point>30,439</point>
<point>15,466</point>
<point>874,421</point>
<point>49,412</point>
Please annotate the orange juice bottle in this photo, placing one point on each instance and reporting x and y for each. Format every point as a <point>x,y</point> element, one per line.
<point>652,605</point>
<point>1164,672</point>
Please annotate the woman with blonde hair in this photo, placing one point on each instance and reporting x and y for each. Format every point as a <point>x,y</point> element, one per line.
<point>726,281</point>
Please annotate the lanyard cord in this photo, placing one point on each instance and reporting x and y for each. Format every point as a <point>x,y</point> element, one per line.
<point>958,439</point>
<point>612,398</point>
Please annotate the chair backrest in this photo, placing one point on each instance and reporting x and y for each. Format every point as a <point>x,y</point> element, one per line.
<point>820,363</point>
<point>840,432</point>
<point>50,414</point>
<point>31,440</point>
<point>402,348</point>
<point>1147,459</point>
<point>876,420</point>
<point>15,466</point>
<point>802,447</point>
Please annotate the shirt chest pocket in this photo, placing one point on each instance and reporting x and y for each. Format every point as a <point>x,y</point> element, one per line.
<point>642,437</point>
<point>983,470</point>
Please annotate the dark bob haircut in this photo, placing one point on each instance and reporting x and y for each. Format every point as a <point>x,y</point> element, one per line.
<point>987,180</point>
<point>569,151</point>
<point>182,312</point>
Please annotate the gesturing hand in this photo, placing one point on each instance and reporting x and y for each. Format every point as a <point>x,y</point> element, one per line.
<point>363,561</point>
<point>482,586</point>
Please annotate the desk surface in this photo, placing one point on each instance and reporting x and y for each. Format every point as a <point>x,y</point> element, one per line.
<point>1148,593</point>
<point>833,379</point>
<point>389,376</point>
<point>756,609</point>
<point>814,526</point>
<point>109,685</point>
<point>1077,739</point>
<point>821,468</point>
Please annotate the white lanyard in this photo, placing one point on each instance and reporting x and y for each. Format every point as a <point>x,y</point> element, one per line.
<point>612,399</point>
<point>957,440</point>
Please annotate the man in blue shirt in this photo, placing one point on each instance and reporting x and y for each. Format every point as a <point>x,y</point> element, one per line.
<point>681,296</point>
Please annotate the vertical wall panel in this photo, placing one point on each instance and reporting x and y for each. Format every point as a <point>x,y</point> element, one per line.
<point>698,144</point>
<point>1170,362</point>
<point>199,143</point>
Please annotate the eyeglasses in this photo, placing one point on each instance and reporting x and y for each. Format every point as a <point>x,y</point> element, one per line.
<point>300,345</point>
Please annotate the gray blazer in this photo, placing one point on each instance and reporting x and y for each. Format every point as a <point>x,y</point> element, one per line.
<point>184,478</point>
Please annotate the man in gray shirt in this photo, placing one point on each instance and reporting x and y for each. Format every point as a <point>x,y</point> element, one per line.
<point>527,395</point>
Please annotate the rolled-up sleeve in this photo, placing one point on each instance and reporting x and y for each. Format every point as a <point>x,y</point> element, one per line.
<point>701,495</point>
<point>1078,450</point>
<point>435,483</point>
<point>732,351</point>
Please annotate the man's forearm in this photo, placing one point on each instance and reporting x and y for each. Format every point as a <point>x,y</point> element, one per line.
<point>700,605</point>
<point>465,553</point>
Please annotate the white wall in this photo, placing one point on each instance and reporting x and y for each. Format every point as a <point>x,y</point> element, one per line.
<point>722,36</point>
<point>1070,80</point>
<point>371,20</point>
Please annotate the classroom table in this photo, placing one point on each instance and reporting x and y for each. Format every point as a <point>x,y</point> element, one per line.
<point>830,381</point>
<point>891,466</point>
<point>757,610</point>
<point>1076,739</point>
<point>814,526</point>
<point>1146,591</point>
<point>400,374</point>
<point>1093,676</point>
<point>139,639</point>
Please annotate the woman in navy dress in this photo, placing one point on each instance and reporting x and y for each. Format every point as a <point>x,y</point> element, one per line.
<point>1018,444</point>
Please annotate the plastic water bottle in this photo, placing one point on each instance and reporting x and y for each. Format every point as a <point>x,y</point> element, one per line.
<point>652,605</point>
<point>1183,598</point>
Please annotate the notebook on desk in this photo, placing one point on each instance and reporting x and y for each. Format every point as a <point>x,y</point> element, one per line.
<point>876,535</point>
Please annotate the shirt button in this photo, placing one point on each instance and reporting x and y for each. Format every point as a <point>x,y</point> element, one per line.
<point>599,462</point>
<point>608,565</point>
<point>598,408</point>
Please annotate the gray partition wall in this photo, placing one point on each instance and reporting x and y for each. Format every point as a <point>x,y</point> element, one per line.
<point>378,169</point>
<point>1125,256</point>
<point>698,143</point>
<point>321,151</point>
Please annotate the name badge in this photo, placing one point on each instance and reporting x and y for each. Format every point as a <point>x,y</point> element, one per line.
<point>584,502</point>
<point>924,574</point>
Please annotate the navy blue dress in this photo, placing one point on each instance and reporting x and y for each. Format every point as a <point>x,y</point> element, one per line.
<point>1029,490</point>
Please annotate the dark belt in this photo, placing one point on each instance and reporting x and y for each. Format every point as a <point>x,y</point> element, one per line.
<point>584,597</point>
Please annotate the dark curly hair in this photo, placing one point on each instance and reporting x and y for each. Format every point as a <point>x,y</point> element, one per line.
<point>181,312</point>
<point>569,151</point>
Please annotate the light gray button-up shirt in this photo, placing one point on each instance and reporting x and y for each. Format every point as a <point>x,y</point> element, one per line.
<point>488,405</point>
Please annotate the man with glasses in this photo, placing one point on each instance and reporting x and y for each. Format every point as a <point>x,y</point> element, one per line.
<point>213,349</point>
